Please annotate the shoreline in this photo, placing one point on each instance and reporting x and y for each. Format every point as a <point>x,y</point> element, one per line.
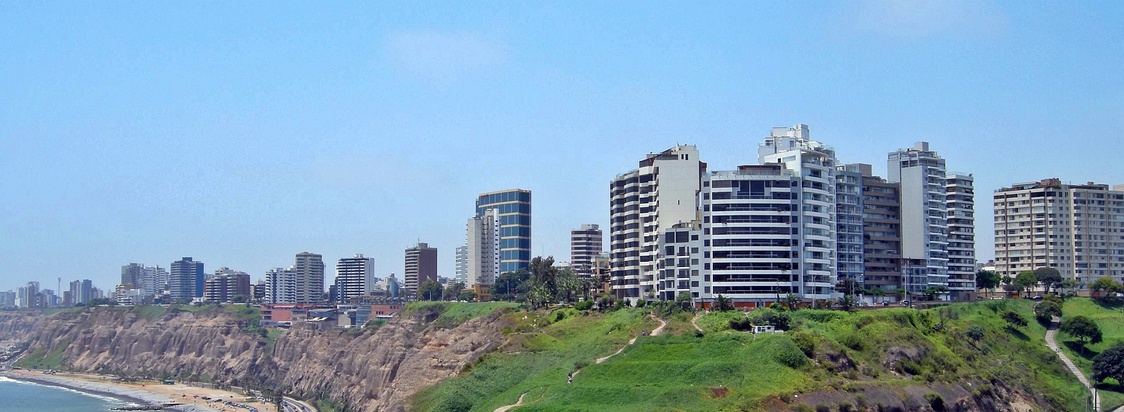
<point>139,396</point>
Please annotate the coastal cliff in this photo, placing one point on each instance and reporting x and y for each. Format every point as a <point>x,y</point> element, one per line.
<point>373,370</point>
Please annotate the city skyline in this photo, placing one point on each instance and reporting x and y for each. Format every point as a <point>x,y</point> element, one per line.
<point>241,136</point>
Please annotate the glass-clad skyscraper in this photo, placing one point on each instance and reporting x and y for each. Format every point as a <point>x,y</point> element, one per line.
<point>513,207</point>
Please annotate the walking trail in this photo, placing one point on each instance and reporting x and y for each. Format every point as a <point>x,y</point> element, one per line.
<point>697,316</point>
<point>655,332</point>
<point>1051,332</point>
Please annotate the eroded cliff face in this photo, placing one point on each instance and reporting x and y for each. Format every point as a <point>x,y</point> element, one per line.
<point>374,370</point>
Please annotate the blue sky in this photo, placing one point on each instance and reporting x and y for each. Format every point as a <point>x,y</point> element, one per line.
<point>242,134</point>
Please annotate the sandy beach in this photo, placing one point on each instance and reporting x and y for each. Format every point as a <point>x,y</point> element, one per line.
<point>190,398</point>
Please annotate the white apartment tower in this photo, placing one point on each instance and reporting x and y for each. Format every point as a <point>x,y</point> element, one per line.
<point>281,286</point>
<point>924,210</point>
<point>483,249</point>
<point>355,276</point>
<point>961,219</point>
<point>462,265</point>
<point>660,193</point>
<point>585,246</point>
<point>1077,229</point>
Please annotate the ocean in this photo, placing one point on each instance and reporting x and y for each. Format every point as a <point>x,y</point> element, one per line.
<point>18,396</point>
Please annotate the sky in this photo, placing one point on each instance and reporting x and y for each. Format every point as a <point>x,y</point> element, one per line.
<point>244,133</point>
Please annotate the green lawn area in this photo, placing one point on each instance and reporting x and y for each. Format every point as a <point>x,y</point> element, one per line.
<point>727,370</point>
<point>1109,316</point>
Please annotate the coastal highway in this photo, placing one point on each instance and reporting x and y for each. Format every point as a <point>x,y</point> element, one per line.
<point>293,405</point>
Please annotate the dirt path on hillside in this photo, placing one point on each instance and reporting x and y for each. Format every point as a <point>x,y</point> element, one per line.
<point>655,332</point>
<point>695,319</point>
<point>1051,332</point>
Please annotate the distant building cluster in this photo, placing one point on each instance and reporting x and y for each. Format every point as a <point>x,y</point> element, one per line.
<point>795,224</point>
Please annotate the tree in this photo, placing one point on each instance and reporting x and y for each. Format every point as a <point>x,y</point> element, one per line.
<point>975,333</point>
<point>986,279</point>
<point>453,292</point>
<point>1048,276</point>
<point>1110,364</point>
<point>1025,280</point>
<point>1104,286</point>
<point>511,285</point>
<point>1069,287</point>
<point>467,296</point>
<point>1047,310</point>
<point>724,303</point>
<point>1014,320</point>
<point>429,290</point>
<point>847,302</point>
<point>1082,328</point>
<point>931,292</point>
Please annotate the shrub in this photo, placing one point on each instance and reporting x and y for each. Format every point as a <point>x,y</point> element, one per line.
<point>742,324</point>
<point>805,342</point>
<point>823,408</point>
<point>975,332</point>
<point>584,305</point>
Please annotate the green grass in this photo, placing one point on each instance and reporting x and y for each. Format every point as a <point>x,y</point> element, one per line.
<point>728,370</point>
<point>451,314</point>
<point>149,312</point>
<point>1109,316</point>
<point>540,352</point>
<point>44,360</point>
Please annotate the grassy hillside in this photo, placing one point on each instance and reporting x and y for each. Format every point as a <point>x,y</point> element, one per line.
<point>1109,316</point>
<point>862,358</point>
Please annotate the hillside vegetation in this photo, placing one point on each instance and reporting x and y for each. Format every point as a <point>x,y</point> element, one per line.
<point>889,359</point>
<point>1109,317</point>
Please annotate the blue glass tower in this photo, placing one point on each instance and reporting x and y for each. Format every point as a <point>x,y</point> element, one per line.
<point>514,209</point>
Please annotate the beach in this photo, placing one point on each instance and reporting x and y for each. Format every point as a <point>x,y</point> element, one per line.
<point>188,398</point>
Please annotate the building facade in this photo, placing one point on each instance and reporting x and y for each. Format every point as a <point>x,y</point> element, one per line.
<point>849,243</point>
<point>1077,229</point>
<point>309,271</point>
<point>462,265</point>
<point>355,277</point>
<point>482,258</point>
<point>924,208</point>
<point>512,209</point>
<point>961,218</point>
<point>280,286</point>
<point>185,281</point>
<point>585,246</point>
<point>421,265</point>
<point>225,285</point>
<point>661,193</point>
<point>882,239</point>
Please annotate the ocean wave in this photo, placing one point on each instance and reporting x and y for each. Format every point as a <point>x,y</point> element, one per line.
<point>108,399</point>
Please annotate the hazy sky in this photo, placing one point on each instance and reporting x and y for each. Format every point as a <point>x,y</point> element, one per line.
<point>243,133</point>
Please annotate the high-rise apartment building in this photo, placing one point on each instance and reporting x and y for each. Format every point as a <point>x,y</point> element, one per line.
<point>462,265</point>
<point>1077,229</point>
<point>585,246</point>
<point>661,193</point>
<point>309,270</point>
<point>924,209</point>
<point>281,286</point>
<point>482,259</point>
<point>961,218</point>
<point>225,285</point>
<point>131,275</point>
<point>849,222</point>
<point>185,282</point>
<point>81,291</point>
<point>882,239</point>
<point>355,277</point>
<point>421,265</point>
<point>512,209</point>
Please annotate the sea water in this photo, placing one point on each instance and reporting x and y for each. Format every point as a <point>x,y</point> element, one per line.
<point>19,396</point>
